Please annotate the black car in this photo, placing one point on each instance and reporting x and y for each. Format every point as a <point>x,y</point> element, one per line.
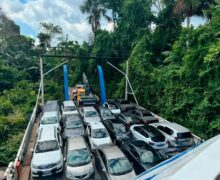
<point>141,154</point>
<point>73,126</point>
<point>144,115</point>
<point>125,105</point>
<point>128,119</point>
<point>117,130</point>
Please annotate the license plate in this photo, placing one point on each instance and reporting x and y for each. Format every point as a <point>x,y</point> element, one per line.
<point>47,172</point>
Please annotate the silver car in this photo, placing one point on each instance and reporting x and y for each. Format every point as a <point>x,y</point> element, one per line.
<point>113,164</point>
<point>90,114</point>
<point>73,126</point>
<point>78,159</point>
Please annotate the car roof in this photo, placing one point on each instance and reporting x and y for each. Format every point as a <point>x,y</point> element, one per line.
<point>114,121</point>
<point>89,108</point>
<point>76,143</point>
<point>112,151</point>
<point>68,103</point>
<point>96,125</point>
<point>49,114</point>
<point>174,126</point>
<point>47,133</point>
<point>73,117</point>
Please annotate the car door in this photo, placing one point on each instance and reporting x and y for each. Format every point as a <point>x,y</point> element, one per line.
<point>89,132</point>
<point>136,161</point>
<point>102,164</point>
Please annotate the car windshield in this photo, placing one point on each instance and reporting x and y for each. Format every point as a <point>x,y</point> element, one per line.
<point>148,157</point>
<point>69,108</point>
<point>112,106</point>
<point>49,120</point>
<point>78,157</point>
<point>99,133</point>
<point>91,114</point>
<point>106,112</point>
<point>119,128</point>
<point>46,146</point>
<point>73,124</point>
<point>119,166</point>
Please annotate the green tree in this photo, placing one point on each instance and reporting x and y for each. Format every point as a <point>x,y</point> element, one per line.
<point>49,31</point>
<point>95,10</point>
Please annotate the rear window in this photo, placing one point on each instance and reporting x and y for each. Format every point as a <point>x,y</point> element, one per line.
<point>69,108</point>
<point>184,135</point>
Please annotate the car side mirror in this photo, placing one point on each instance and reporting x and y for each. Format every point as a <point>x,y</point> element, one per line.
<point>103,169</point>
<point>64,159</point>
<point>32,150</point>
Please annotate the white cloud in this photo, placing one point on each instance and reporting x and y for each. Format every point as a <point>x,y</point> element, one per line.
<point>65,13</point>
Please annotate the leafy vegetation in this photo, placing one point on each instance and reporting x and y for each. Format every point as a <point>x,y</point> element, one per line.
<point>174,70</point>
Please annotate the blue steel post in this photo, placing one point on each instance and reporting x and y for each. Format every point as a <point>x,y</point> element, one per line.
<point>102,84</point>
<point>65,76</point>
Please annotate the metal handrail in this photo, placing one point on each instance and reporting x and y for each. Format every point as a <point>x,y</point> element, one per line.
<point>11,172</point>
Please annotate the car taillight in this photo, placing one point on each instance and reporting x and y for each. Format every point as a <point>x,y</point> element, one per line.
<point>128,125</point>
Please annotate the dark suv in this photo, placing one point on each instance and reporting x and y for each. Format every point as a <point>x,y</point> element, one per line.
<point>144,115</point>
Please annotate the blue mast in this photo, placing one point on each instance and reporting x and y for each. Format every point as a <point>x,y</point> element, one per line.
<point>65,76</point>
<point>102,85</point>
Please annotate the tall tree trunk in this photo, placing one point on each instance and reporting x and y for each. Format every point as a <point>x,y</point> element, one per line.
<point>187,21</point>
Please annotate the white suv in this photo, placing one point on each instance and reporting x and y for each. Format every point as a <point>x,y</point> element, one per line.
<point>69,107</point>
<point>47,157</point>
<point>150,135</point>
<point>177,135</point>
<point>97,135</point>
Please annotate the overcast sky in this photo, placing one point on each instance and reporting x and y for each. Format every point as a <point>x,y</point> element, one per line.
<point>66,13</point>
<point>29,13</point>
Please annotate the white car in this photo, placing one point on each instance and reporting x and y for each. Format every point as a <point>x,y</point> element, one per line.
<point>150,135</point>
<point>90,114</point>
<point>47,156</point>
<point>78,159</point>
<point>97,135</point>
<point>68,108</point>
<point>50,119</point>
<point>112,107</point>
<point>177,135</point>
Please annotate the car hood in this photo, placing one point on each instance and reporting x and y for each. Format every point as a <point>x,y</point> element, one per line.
<point>130,175</point>
<point>101,141</point>
<point>46,158</point>
<point>79,170</point>
<point>73,132</point>
<point>92,119</point>
<point>121,136</point>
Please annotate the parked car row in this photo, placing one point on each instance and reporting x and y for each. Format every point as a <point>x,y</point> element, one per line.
<point>124,139</point>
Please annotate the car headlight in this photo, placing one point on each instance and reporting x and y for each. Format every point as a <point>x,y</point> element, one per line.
<point>34,166</point>
<point>91,171</point>
<point>69,175</point>
<point>59,162</point>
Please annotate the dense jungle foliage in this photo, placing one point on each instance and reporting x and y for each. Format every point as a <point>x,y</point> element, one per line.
<point>174,70</point>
